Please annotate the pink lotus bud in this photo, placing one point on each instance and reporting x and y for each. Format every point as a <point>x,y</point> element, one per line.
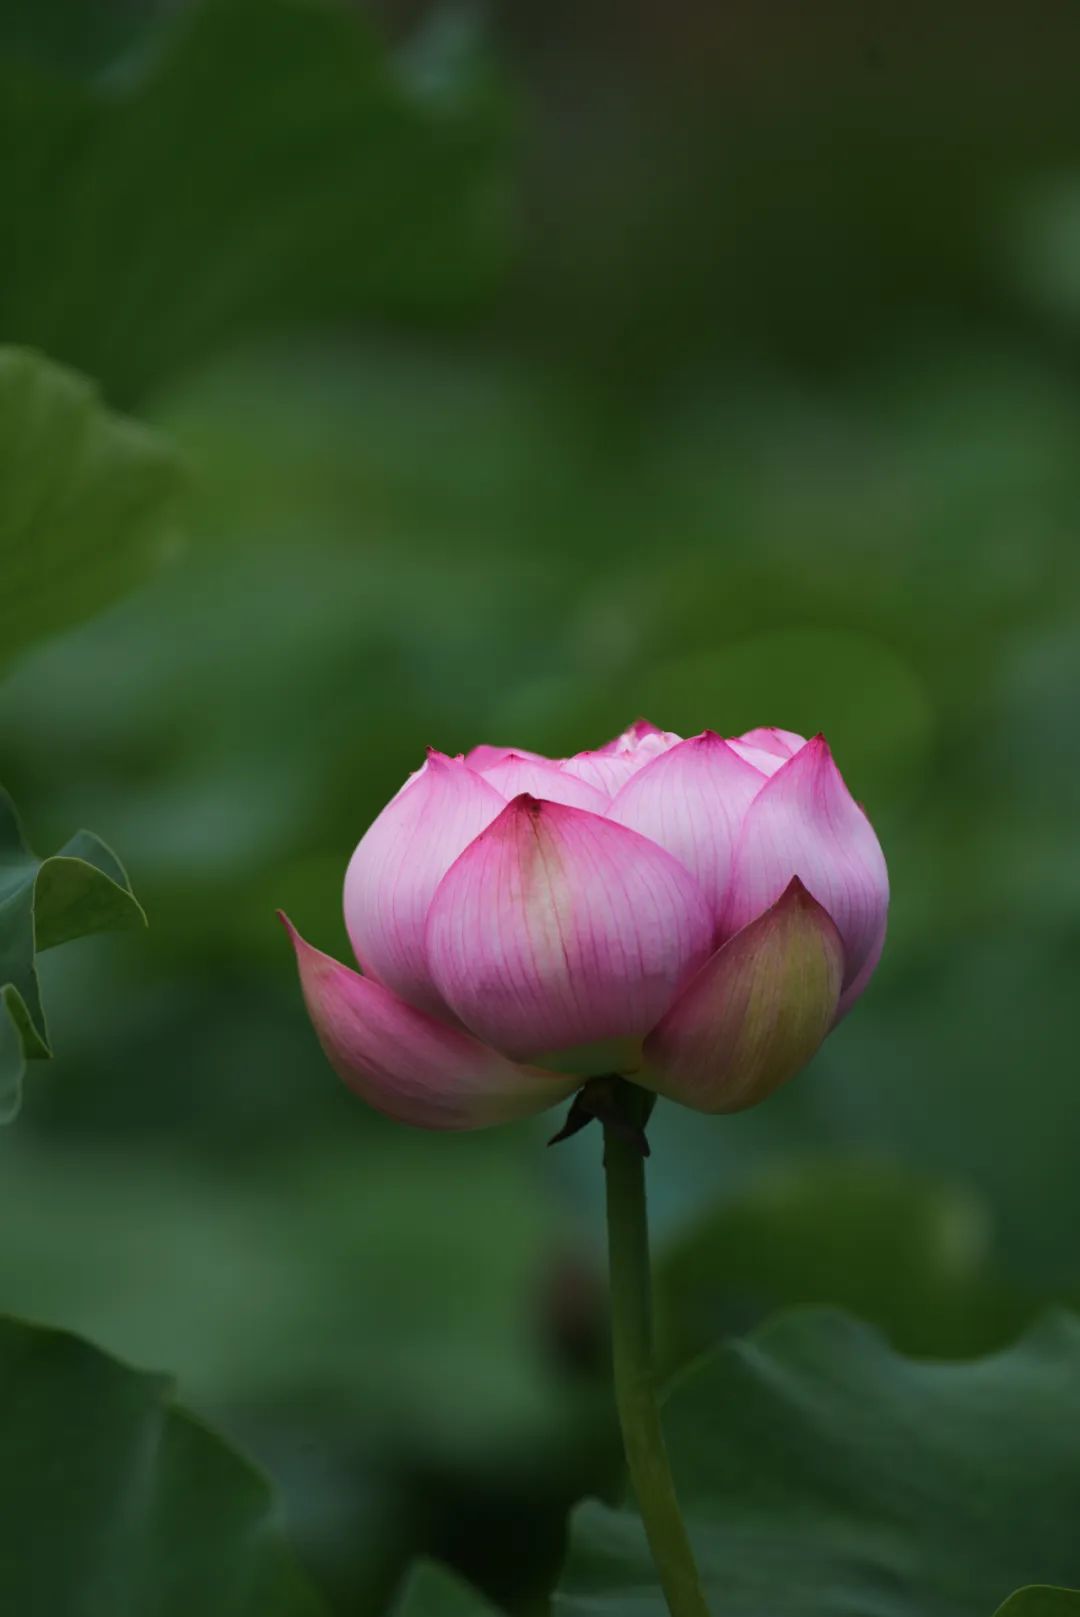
<point>710,908</point>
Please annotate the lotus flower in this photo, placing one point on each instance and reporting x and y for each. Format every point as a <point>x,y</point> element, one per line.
<point>695,915</point>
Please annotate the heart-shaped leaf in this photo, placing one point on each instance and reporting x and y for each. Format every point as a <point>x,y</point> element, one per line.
<point>88,500</point>
<point>114,1502</point>
<point>432,1591</point>
<point>43,902</point>
<point>823,1473</point>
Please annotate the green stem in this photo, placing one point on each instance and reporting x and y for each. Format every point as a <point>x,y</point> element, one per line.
<point>635,1390</point>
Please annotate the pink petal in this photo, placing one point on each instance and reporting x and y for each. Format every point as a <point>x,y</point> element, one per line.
<point>408,1065</point>
<point>483,756</point>
<point>631,736</point>
<point>398,864</point>
<point>557,928</point>
<point>858,983</point>
<point>766,763</point>
<point>804,822</point>
<point>607,771</point>
<point>542,778</point>
<point>692,800</point>
<point>754,1014</point>
<point>784,743</point>
<point>643,739</point>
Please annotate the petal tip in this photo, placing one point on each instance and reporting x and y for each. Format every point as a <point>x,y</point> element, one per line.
<point>810,766</point>
<point>797,893</point>
<point>526,803</point>
<point>797,898</point>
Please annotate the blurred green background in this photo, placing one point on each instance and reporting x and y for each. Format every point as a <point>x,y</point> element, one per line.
<point>535,370</point>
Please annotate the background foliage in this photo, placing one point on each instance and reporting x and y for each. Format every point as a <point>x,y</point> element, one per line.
<point>531,373</point>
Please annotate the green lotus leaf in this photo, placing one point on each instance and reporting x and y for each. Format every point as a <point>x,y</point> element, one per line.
<point>115,1502</point>
<point>823,1473</point>
<point>44,902</point>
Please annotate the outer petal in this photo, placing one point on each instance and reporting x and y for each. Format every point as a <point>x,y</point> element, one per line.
<point>399,863</point>
<point>557,928</point>
<point>804,822</point>
<point>483,756</point>
<point>408,1065</point>
<point>542,778</point>
<point>692,800</point>
<point>755,1012</point>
